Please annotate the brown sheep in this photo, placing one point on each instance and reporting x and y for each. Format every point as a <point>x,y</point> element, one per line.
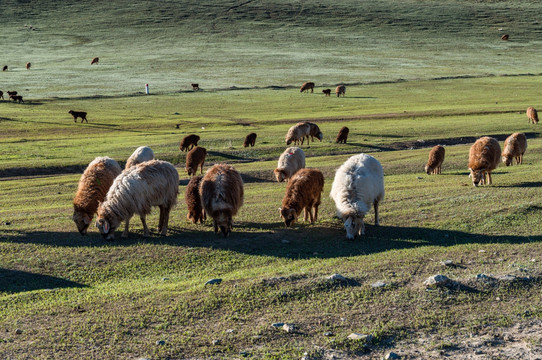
<point>194,159</point>
<point>532,115</point>
<point>5,68</point>
<point>327,92</point>
<point>222,194</point>
<point>436,158</point>
<point>11,93</point>
<point>250,140</point>
<point>2,95</point>
<point>314,132</point>
<point>28,65</point>
<point>302,193</point>
<point>193,201</point>
<point>342,136</point>
<point>18,98</point>
<point>514,147</point>
<point>188,142</point>
<point>76,114</point>
<point>94,60</point>
<point>195,87</point>
<point>484,157</point>
<point>341,89</point>
<point>307,86</point>
<point>505,37</point>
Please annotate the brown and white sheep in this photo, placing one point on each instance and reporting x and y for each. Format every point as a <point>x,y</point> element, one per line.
<point>341,89</point>
<point>141,154</point>
<point>94,60</point>
<point>250,140</point>
<point>327,92</point>
<point>28,65</point>
<point>307,86</point>
<point>303,192</point>
<point>192,199</point>
<point>484,157</point>
<point>80,114</point>
<point>194,159</point>
<point>514,147</point>
<point>290,161</point>
<point>222,194</point>
<point>92,189</point>
<point>297,133</point>
<point>342,136</point>
<point>436,158</point>
<point>135,191</point>
<point>188,142</point>
<point>532,115</point>
<point>195,87</point>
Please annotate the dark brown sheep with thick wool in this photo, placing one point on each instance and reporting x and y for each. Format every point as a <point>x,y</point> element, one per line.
<point>28,65</point>
<point>505,37</point>
<point>222,195</point>
<point>314,132</point>
<point>94,60</point>
<point>327,92</point>
<point>2,95</point>
<point>436,158</point>
<point>78,114</point>
<point>514,147</point>
<point>532,115</point>
<point>192,199</point>
<point>341,89</point>
<point>5,68</point>
<point>250,140</point>
<point>342,136</point>
<point>484,157</point>
<point>11,93</point>
<point>194,159</point>
<point>303,192</point>
<point>18,98</point>
<point>307,86</point>
<point>188,142</point>
<point>195,87</point>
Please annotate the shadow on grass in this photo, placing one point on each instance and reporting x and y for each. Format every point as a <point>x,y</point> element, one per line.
<point>14,281</point>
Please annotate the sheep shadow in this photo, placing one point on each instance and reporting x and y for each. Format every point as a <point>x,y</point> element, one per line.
<point>15,281</point>
<point>529,184</point>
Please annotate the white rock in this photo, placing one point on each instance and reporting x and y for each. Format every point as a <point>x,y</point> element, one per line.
<point>437,280</point>
<point>337,277</point>
<point>378,284</point>
<point>367,339</point>
<point>289,328</point>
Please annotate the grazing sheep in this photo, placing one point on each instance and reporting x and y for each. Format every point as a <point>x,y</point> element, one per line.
<point>5,68</point>
<point>194,159</point>
<point>193,201</point>
<point>18,98</point>
<point>11,93</point>
<point>188,142</point>
<point>290,161</point>
<point>341,89</point>
<point>28,65</point>
<point>302,193</point>
<point>514,147</point>
<point>327,92</point>
<point>358,184</point>
<point>94,60</point>
<point>342,136</point>
<point>436,158</point>
<point>2,95</point>
<point>297,133</point>
<point>221,192</point>
<point>314,132</point>
<point>307,86</point>
<point>136,191</point>
<point>250,140</point>
<point>532,115</point>
<point>141,154</point>
<point>505,37</point>
<point>93,186</point>
<point>76,114</point>
<point>195,87</point>
<point>484,157</point>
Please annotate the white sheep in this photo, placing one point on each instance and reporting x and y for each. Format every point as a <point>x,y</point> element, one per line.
<point>141,154</point>
<point>291,160</point>
<point>135,191</point>
<point>358,184</point>
<point>297,133</point>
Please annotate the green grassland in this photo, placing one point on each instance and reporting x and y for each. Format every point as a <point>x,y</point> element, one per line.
<point>418,73</point>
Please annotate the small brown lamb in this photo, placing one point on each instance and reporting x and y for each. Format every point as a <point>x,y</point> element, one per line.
<point>436,158</point>
<point>28,65</point>
<point>250,140</point>
<point>514,147</point>
<point>188,142</point>
<point>194,159</point>
<point>78,114</point>
<point>18,98</point>
<point>193,201</point>
<point>303,192</point>
<point>532,115</point>
<point>195,87</point>
<point>94,60</point>
<point>327,92</point>
<point>5,68</point>
<point>342,136</point>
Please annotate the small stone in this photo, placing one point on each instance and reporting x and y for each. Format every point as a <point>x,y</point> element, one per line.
<point>378,284</point>
<point>337,277</point>
<point>216,342</point>
<point>328,333</point>
<point>277,325</point>
<point>392,355</point>
<point>447,262</point>
<point>289,328</point>
<point>230,331</point>
<point>437,281</point>
<point>7,223</point>
<point>533,260</point>
<point>213,282</point>
<point>483,277</point>
<point>367,339</point>
<point>243,353</point>
<point>498,298</point>
<point>165,279</point>
<point>481,251</point>
<point>284,241</point>
<point>506,278</point>
<point>419,177</point>
<point>160,342</point>
<point>18,331</point>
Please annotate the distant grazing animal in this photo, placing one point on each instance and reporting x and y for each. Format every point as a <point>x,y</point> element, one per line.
<point>193,201</point>
<point>141,154</point>
<point>307,86</point>
<point>80,114</point>
<point>195,87</point>
<point>341,89</point>
<point>2,95</point>
<point>514,147</point>
<point>136,191</point>
<point>303,192</point>
<point>290,161</point>
<point>18,98</point>
<point>342,136</point>
<point>532,115</point>
<point>94,60</point>
<point>436,158</point>
<point>188,142</point>
<point>484,157</point>
<point>28,65</point>
<point>5,68</point>
<point>194,159</point>
<point>222,194</point>
<point>505,37</point>
<point>358,184</point>
<point>327,92</point>
<point>250,140</point>
<point>314,132</point>
<point>93,186</point>
<point>297,133</point>
<point>11,93</point>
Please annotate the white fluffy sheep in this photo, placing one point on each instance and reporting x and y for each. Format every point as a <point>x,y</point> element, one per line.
<point>297,133</point>
<point>141,154</point>
<point>135,191</point>
<point>291,160</point>
<point>358,184</point>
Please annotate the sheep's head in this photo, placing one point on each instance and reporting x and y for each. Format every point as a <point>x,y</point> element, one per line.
<point>107,228</point>
<point>353,226</point>
<point>280,175</point>
<point>81,220</point>
<point>320,136</point>
<point>428,169</point>
<point>477,176</point>
<point>288,215</point>
<point>507,160</point>
<point>190,171</point>
<point>288,141</point>
<point>223,220</point>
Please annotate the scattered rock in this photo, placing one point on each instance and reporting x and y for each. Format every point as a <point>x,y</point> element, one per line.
<point>484,277</point>
<point>437,281</point>
<point>243,353</point>
<point>289,328</point>
<point>213,282</point>
<point>277,325</point>
<point>378,284</point>
<point>447,263</point>
<point>18,331</point>
<point>161,342</point>
<point>216,342</point>
<point>367,339</point>
<point>506,278</point>
<point>392,355</point>
<point>230,331</point>
<point>328,333</point>
<point>481,251</point>
<point>165,279</point>
<point>337,277</point>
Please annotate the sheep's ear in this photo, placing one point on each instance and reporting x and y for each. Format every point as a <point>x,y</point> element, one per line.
<point>280,209</point>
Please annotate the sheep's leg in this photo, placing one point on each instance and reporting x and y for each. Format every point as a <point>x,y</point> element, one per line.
<point>165,220</point>
<point>375,205</point>
<point>305,215</point>
<point>146,231</point>
<point>216,226</point>
<point>161,220</point>
<point>126,226</point>
<point>489,182</point>
<point>201,169</point>
<point>362,228</point>
<point>316,211</point>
